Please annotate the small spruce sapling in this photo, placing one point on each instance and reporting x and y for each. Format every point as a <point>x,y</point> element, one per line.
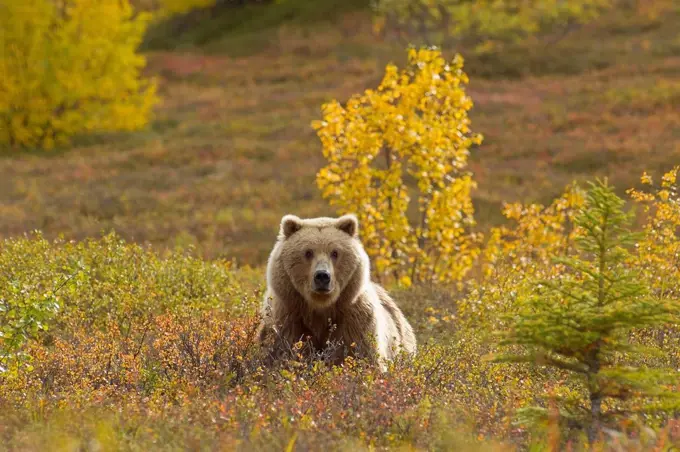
<point>578,322</point>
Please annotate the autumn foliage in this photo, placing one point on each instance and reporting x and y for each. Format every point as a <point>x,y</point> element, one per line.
<point>70,68</point>
<point>579,320</point>
<point>397,156</point>
<point>482,21</point>
<point>154,349</point>
<point>167,342</point>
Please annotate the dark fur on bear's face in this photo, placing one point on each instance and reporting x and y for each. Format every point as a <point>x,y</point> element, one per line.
<point>321,258</point>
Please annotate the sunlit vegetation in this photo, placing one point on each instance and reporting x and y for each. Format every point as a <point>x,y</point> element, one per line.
<point>164,346</point>
<point>70,68</point>
<point>414,125</point>
<point>546,309</point>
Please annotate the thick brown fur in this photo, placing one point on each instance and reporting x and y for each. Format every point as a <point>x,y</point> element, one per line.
<point>356,313</point>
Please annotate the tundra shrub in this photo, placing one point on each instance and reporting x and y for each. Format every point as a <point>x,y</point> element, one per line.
<point>68,68</point>
<point>104,283</point>
<point>403,148</point>
<point>658,258</point>
<point>157,351</point>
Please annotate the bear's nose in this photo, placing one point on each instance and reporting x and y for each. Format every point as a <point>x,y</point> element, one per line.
<point>322,279</point>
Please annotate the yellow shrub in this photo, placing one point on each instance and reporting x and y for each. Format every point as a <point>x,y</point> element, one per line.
<point>514,254</point>
<point>70,67</point>
<point>537,233</point>
<point>658,253</point>
<point>413,127</point>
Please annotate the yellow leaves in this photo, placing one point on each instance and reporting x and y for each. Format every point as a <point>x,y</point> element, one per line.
<point>90,78</point>
<point>668,180</point>
<point>523,249</point>
<point>513,211</point>
<point>405,281</point>
<point>658,253</point>
<point>540,232</point>
<point>415,124</point>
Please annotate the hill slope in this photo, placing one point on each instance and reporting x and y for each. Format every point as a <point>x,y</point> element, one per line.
<point>231,149</point>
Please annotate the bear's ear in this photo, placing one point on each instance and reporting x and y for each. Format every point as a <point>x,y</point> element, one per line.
<point>290,224</point>
<point>348,224</point>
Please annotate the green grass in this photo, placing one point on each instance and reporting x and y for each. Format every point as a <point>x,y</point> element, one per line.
<point>231,150</point>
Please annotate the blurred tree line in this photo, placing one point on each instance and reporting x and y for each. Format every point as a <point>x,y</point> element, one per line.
<point>481,22</point>
<point>70,67</point>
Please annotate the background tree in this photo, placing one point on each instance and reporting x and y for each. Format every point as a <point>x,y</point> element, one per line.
<point>446,22</point>
<point>578,321</point>
<point>70,67</point>
<point>408,139</point>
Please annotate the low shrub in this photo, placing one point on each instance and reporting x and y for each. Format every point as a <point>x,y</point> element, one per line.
<point>157,351</point>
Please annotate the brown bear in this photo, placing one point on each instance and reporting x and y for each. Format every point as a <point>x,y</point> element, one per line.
<point>319,289</point>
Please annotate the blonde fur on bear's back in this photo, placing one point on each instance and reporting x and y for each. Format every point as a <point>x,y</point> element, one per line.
<point>356,312</point>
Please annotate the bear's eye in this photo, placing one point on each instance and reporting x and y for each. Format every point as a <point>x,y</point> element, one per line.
<point>309,254</point>
<point>334,254</point>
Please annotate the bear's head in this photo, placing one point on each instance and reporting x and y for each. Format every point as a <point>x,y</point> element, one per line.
<point>320,260</point>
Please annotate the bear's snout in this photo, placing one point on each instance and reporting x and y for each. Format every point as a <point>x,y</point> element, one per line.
<point>322,281</point>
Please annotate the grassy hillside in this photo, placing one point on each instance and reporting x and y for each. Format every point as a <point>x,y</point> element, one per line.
<point>231,149</point>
